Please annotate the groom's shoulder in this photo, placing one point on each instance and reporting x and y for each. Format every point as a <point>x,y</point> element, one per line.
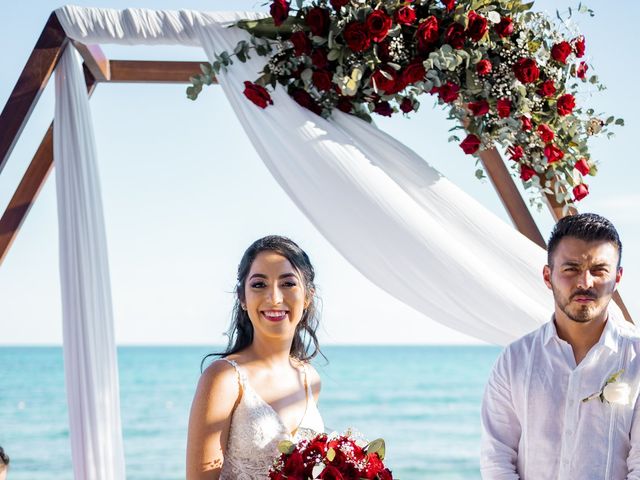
<point>526,343</point>
<point>515,354</point>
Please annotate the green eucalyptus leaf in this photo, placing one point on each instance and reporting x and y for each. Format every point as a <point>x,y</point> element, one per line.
<point>331,454</point>
<point>286,446</point>
<point>376,446</point>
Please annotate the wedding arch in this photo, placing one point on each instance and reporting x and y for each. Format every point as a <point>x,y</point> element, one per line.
<point>382,194</point>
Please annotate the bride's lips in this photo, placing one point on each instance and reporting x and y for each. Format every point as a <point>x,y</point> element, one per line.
<point>274,315</point>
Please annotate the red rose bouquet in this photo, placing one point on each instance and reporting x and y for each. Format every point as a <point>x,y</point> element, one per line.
<point>330,457</point>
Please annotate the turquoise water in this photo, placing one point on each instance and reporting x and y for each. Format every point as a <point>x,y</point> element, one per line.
<point>424,401</point>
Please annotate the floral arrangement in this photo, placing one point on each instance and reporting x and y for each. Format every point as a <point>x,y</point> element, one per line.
<point>613,391</point>
<point>508,75</point>
<point>330,457</point>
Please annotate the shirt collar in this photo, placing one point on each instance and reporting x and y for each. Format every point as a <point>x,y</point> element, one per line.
<point>608,339</point>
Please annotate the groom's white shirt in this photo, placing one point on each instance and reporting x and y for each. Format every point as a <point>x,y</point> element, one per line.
<point>535,425</point>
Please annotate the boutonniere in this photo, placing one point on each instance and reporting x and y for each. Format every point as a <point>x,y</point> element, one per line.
<point>613,391</point>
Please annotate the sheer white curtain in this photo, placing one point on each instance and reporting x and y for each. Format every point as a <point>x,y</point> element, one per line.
<point>90,363</point>
<point>396,219</point>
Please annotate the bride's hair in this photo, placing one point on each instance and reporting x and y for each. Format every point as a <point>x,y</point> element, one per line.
<point>305,344</point>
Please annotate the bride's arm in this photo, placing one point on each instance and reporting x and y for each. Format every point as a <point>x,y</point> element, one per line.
<point>209,421</point>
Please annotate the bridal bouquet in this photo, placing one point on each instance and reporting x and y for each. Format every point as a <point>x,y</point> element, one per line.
<point>330,457</point>
<point>510,76</point>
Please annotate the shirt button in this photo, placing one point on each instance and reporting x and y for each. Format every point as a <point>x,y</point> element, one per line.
<point>565,461</point>
<point>569,432</point>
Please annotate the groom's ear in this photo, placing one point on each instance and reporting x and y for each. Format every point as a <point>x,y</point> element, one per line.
<point>546,275</point>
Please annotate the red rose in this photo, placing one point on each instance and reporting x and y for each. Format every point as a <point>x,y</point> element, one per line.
<point>581,72</point>
<point>319,58</point>
<point>378,24</point>
<point>331,473</point>
<point>427,34</point>
<point>449,4</point>
<point>384,109</point>
<point>374,466</point>
<point>547,89</point>
<point>526,70</point>
<point>546,134</point>
<point>578,46</point>
<point>566,104</point>
<point>479,108</point>
<point>471,144</point>
<point>322,80</point>
<point>257,94</point>
<point>407,105</point>
<point>560,52</point>
<point>301,43</point>
<point>504,28</point>
<point>294,465</point>
<point>504,107</point>
<point>318,20</point>
<point>583,166</point>
<point>279,12</point>
<point>385,475</point>
<point>344,105</point>
<point>580,191</point>
<point>405,15</point>
<point>484,67</point>
<point>516,152</point>
<point>553,153</point>
<point>414,72</point>
<point>356,36</point>
<point>389,83</point>
<point>338,4</point>
<point>477,26</point>
<point>304,99</point>
<point>526,172</point>
<point>454,35</point>
<point>526,123</point>
<point>448,92</point>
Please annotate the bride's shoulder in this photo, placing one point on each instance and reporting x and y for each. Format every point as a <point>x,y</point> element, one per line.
<point>220,376</point>
<point>313,377</point>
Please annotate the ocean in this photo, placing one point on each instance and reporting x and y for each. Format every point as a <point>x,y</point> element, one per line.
<point>423,400</point>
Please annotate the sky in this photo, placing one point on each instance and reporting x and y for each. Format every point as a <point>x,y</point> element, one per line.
<point>185,193</point>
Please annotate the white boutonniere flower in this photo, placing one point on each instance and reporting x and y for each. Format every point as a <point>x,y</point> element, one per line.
<point>613,391</point>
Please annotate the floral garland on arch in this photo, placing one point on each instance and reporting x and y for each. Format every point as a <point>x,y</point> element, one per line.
<point>508,75</point>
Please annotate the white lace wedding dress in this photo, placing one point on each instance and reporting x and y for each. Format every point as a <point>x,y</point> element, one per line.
<point>256,429</point>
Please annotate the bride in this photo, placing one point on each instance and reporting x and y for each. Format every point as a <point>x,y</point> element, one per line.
<point>262,390</point>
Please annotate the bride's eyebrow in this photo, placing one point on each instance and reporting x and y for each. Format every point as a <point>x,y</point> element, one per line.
<point>284,275</point>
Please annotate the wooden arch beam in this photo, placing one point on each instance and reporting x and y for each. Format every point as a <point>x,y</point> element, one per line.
<point>30,85</point>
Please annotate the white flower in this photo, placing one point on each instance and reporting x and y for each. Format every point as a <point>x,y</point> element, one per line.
<point>613,391</point>
<point>493,17</point>
<point>617,392</point>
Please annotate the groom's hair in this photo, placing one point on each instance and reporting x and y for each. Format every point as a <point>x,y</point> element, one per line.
<point>588,227</point>
<point>4,460</point>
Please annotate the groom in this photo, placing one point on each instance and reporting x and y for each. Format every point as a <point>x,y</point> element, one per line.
<point>545,413</point>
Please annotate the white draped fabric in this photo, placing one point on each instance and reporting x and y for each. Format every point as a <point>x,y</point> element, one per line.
<point>396,219</point>
<point>90,362</point>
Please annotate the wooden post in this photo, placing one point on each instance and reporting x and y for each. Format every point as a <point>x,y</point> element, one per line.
<point>32,81</point>
<point>510,196</point>
<point>31,184</point>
